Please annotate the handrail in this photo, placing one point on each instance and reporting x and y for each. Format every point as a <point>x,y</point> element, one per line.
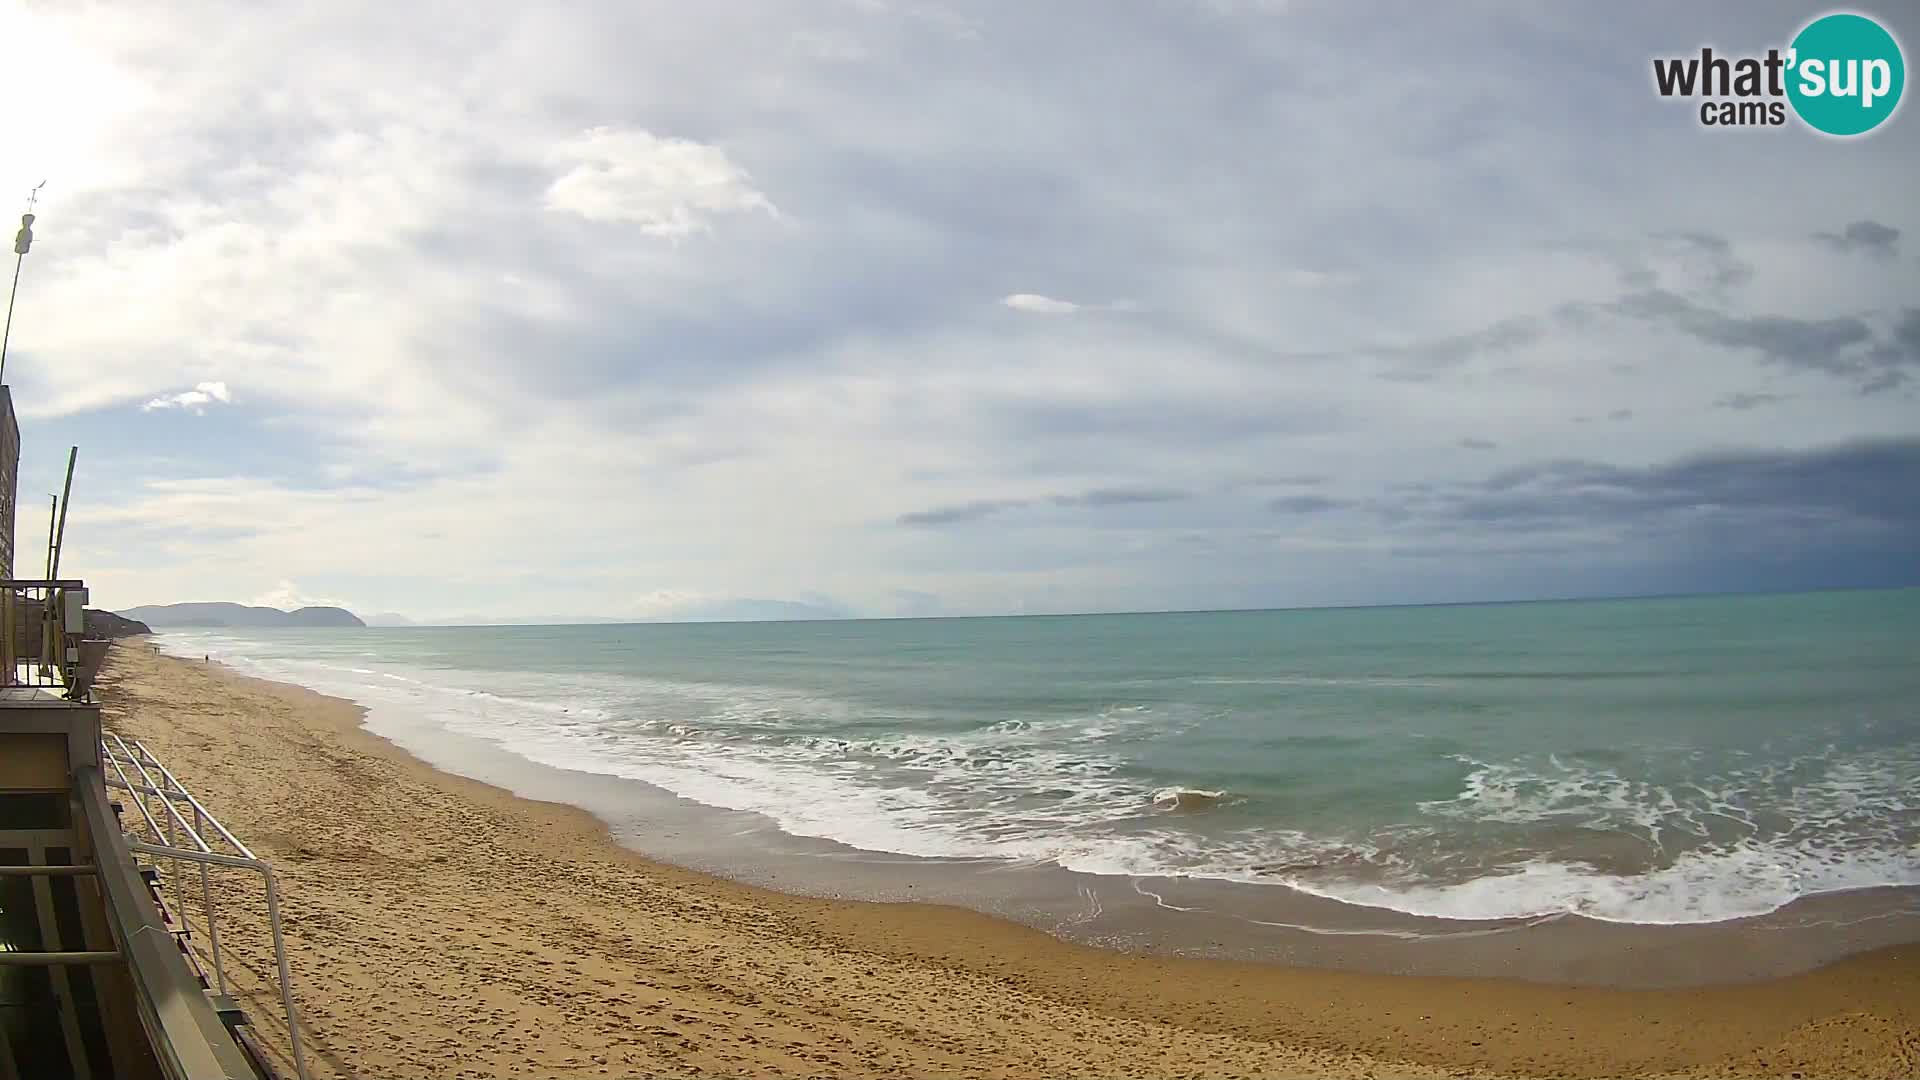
<point>140,804</point>
<point>55,959</point>
<point>206,887</point>
<point>181,789</point>
<point>166,804</point>
<point>202,854</point>
<point>186,1034</point>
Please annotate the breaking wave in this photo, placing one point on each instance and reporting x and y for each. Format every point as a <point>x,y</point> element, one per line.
<point>1521,838</point>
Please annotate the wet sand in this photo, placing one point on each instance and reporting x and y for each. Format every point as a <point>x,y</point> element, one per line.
<point>441,927</point>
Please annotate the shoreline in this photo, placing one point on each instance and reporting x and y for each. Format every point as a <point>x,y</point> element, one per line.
<point>1153,914</point>
<point>1186,917</point>
<point>382,865</point>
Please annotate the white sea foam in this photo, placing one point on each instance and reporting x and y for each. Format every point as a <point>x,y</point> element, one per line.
<point>1058,789</point>
<point>1179,798</point>
<point>1699,887</point>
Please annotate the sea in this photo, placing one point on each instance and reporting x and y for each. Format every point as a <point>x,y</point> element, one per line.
<point>1664,761</point>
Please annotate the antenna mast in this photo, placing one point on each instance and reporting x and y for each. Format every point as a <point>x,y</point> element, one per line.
<point>22,241</point>
<point>60,536</point>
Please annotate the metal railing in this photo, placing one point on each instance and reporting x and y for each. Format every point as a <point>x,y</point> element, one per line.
<point>157,787</point>
<point>41,624</point>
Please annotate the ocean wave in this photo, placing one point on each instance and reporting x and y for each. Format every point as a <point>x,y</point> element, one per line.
<point>1699,887</point>
<point>1179,798</point>
<point>1062,789</point>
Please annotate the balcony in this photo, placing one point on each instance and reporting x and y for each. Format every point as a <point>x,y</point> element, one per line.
<point>44,654</point>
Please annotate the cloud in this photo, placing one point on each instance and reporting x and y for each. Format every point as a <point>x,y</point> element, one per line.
<point>288,596</point>
<point>1290,480</point>
<point>1478,444</point>
<point>1861,487</point>
<point>1097,498</point>
<point>674,605</point>
<point>1892,362</point>
<point>916,604</point>
<point>1421,361</point>
<point>1696,260</point>
<point>964,512</point>
<point>1035,304</point>
<point>1844,346</point>
<point>1745,400</point>
<point>1304,504</point>
<point>669,187</point>
<point>709,290</point>
<point>1301,278</point>
<point>194,400</point>
<point>1868,237</point>
<point>1118,497</point>
<point>829,46</point>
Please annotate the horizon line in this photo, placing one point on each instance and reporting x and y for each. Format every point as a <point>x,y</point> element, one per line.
<point>597,620</point>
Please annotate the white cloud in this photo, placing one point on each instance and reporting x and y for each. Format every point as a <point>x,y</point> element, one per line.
<point>1317,279</point>
<point>194,400</point>
<point>436,376</point>
<point>1036,304</point>
<point>288,596</point>
<point>669,187</point>
<point>666,603</point>
<point>829,46</point>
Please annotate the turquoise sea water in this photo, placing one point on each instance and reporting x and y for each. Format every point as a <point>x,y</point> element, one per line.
<point>1653,761</point>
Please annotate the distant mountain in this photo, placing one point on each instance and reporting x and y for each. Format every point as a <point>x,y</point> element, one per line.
<point>388,618</point>
<point>183,616</point>
<point>106,625</point>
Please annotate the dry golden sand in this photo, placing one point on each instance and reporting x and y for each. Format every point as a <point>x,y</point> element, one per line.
<point>439,927</point>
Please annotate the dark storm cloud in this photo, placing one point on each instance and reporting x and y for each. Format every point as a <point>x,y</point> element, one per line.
<point>1869,237</point>
<point>1870,484</point>
<point>1843,346</point>
<point>1892,361</point>
<point>1095,499</point>
<point>1810,343</point>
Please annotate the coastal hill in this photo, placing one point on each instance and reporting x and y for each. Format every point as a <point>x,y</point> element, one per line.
<point>239,615</point>
<point>106,625</point>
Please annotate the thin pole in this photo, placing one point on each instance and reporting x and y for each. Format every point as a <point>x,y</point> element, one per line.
<point>21,242</point>
<point>66,496</point>
<point>48,641</point>
<point>206,913</point>
<point>8,334</point>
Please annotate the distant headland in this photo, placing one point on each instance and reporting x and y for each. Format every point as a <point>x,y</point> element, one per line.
<point>181,616</point>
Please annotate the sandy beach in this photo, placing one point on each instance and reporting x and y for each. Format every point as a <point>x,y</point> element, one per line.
<point>439,927</point>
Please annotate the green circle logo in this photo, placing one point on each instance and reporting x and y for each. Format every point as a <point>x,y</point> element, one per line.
<point>1845,74</point>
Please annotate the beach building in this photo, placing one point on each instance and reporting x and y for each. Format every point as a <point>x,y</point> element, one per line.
<point>101,973</point>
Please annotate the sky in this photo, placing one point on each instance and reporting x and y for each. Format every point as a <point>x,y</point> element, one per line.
<point>794,308</point>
